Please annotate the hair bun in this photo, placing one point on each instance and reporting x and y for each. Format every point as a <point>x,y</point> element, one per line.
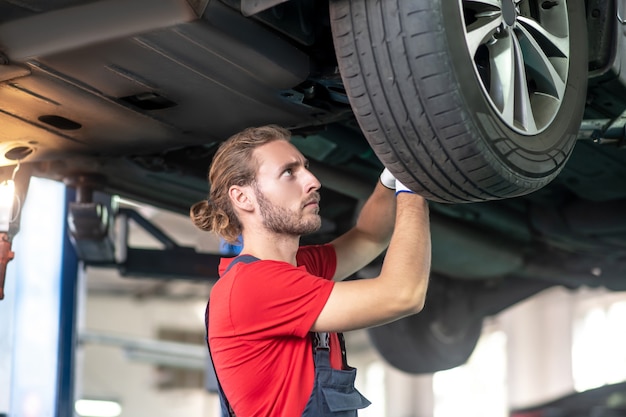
<point>200,214</point>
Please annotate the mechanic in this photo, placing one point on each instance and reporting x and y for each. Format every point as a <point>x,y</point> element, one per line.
<point>276,313</point>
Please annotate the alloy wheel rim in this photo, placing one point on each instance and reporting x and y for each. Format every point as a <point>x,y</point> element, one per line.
<point>520,51</point>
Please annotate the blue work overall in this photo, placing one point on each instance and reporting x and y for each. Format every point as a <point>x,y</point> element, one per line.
<point>333,395</point>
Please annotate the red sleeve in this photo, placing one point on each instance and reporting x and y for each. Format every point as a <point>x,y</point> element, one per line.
<point>320,260</point>
<point>277,299</point>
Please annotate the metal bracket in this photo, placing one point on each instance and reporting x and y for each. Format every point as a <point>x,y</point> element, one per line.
<point>99,233</point>
<point>172,262</point>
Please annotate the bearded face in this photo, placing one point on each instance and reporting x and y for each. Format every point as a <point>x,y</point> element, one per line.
<point>285,221</point>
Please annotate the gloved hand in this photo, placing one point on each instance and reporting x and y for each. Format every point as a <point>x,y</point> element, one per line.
<point>387,179</point>
<point>401,188</point>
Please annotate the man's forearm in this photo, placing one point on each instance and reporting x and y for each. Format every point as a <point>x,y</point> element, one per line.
<point>377,217</point>
<point>370,236</point>
<point>407,263</point>
<point>400,288</point>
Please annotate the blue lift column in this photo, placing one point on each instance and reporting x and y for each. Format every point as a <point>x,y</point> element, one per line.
<point>41,307</point>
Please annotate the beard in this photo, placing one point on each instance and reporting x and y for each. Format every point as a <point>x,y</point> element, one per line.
<point>284,221</point>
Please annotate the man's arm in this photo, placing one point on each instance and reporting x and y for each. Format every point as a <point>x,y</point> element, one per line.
<point>371,234</point>
<point>400,289</point>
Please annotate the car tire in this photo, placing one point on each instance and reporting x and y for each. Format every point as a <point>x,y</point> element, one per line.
<point>459,126</point>
<point>442,336</point>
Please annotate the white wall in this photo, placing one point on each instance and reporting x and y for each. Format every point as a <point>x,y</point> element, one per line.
<point>108,374</point>
<point>539,341</point>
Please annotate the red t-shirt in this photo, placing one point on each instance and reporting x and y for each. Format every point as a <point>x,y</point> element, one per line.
<point>261,314</point>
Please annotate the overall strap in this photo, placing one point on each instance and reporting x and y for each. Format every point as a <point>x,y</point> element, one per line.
<point>246,259</point>
<point>321,340</point>
<point>227,410</point>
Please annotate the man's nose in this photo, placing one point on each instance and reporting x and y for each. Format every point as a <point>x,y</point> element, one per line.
<point>312,183</point>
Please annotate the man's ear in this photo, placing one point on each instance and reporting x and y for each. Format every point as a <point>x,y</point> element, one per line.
<point>241,197</point>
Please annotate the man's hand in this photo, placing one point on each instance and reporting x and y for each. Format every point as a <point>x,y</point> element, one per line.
<point>387,179</point>
<point>401,188</point>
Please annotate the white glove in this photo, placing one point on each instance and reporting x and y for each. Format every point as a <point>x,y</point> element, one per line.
<point>387,179</point>
<point>401,188</point>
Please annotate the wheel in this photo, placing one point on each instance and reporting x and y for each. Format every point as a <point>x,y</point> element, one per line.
<point>465,101</point>
<point>414,345</point>
<point>442,336</point>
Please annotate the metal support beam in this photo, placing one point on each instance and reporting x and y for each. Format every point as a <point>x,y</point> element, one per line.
<point>40,356</point>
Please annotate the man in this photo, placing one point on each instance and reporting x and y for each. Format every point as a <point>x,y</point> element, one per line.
<point>269,301</point>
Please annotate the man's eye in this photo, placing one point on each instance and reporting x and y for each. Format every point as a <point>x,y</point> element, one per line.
<point>288,172</point>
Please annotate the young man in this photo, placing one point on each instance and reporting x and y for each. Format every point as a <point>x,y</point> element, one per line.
<point>268,302</point>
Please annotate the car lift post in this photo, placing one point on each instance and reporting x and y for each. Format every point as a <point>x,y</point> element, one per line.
<point>68,319</point>
<point>42,296</point>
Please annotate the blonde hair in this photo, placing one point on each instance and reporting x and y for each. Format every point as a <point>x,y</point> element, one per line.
<point>233,164</point>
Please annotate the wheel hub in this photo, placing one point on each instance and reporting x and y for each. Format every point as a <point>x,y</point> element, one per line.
<point>509,12</point>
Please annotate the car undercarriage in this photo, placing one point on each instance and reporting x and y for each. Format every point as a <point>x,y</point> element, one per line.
<point>132,98</point>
